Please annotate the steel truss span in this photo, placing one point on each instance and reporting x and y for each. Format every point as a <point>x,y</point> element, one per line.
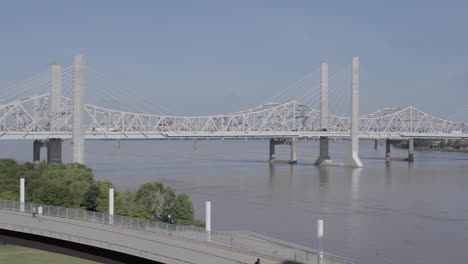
<point>28,118</point>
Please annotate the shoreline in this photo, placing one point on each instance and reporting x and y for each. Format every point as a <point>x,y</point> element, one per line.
<point>441,149</point>
<point>437,149</point>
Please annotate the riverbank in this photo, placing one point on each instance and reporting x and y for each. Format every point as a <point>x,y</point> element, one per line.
<point>442,149</point>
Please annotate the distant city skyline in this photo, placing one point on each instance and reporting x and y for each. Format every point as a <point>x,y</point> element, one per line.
<point>208,57</point>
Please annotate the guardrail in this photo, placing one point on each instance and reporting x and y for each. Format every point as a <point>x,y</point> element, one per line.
<point>242,240</point>
<point>91,242</point>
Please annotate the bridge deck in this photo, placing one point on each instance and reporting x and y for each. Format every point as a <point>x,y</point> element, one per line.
<point>164,248</point>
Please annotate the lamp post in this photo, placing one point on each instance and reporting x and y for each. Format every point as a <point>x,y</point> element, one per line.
<point>208,220</point>
<point>320,241</point>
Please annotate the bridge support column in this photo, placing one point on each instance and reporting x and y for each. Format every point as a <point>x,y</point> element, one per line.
<point>54,150</point>
<point>78,108</point>
<point>388,156</point>
<point>291,142</point>
<point>411,150</point>
<point>55,97</point>
<point>388,148</point>
<point>272,151</point>
<point>37,151</point>
<point>376,144</point>
<point>355,160</point>
<point>54,145</point>
<point>324,157</point>
<point>117,145</point>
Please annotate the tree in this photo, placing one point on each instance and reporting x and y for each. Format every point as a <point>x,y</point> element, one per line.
<point>157,200</point>
<point>131,207</point>
<point>53,193</point>
<point>90,201</point>
<point>184,213</point>
<point>103,200</point>
<point>73,185</point>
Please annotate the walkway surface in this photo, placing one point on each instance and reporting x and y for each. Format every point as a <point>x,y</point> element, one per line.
<point>160,247</point>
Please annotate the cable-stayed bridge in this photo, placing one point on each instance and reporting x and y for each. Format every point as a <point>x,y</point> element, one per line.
<point>48,116</point>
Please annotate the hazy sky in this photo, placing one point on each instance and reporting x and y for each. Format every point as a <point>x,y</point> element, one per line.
<point>201,57</point>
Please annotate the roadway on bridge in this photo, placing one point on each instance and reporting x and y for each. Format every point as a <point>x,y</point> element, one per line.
<point>180,250</point>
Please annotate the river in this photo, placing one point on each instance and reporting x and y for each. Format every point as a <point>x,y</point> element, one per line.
<point>382,213</point>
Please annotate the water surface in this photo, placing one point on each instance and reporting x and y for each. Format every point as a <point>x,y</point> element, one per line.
<point>382,213</point>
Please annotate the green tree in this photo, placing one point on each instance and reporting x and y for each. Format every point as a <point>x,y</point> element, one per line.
<point>103,199</point>
<point>90,201</point>
<point>422,143</point>
<point>131,207</point>
<point>74,179</point>
<point>157,200</point>
<point>184,213</point>
<point>53,193</point>
<point>73,185</point>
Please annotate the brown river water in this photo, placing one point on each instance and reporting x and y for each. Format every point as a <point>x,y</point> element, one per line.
<point>383,213</point>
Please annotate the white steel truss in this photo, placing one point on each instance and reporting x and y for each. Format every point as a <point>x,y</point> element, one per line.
<point>28,118</point>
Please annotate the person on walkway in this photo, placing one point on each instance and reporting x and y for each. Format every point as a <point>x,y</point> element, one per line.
<point>258,261</point>
<point>34,211</point>
<point>40,210</point>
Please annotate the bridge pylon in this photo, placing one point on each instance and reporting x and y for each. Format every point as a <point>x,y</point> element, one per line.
<point>78,108</point>
<point>355,160</point>
<point>324,156</point>
<point>54,145</point>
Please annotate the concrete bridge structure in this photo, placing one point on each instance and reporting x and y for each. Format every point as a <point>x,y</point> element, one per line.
<point>93,236</point>
<point>48,119</point>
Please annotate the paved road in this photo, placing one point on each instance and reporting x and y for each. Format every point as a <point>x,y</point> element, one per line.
<point>163,247</point>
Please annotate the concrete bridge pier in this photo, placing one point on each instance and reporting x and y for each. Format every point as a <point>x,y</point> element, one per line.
<point>324,157</point>
<point>376,144</point>
<point>411,150</point>
<point>388,156</point>
<point>291,142</point>
<point>272,151</point>
<point>388,148</point>
<point>37,151</point>
<point>54,150</point>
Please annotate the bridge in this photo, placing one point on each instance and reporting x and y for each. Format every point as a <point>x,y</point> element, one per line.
<point>119,239</point>
<point>50,118</point>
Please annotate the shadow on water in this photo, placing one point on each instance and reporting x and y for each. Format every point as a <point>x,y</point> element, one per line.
<point>234,160</point>
<point>323,175</point>
<point>274,174</point>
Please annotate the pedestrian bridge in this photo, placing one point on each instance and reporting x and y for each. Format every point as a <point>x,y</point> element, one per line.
<point>119,239</point>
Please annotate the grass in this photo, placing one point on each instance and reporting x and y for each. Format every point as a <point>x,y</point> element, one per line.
<point>20,255</point>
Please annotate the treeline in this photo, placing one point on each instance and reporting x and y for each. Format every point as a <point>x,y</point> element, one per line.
<point>74,186</point>
<point>422,143</point>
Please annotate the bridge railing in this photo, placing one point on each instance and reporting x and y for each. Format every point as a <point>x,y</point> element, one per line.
<point>91,242</point>
<point>244,240</point>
